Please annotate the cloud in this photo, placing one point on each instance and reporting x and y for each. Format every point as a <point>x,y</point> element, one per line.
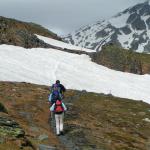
<point>63,16</point>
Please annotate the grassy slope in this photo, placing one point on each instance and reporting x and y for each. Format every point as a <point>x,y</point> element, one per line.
<point>27,104</point>
<point>93,121</point>
<point>110,123</point>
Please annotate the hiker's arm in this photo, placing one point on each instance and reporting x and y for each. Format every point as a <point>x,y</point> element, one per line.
<point>64,106</point>
<point>63,88</point>
<point>50,98</point>
<point>52,107</point>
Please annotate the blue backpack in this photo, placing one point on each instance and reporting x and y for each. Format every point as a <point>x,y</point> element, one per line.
<point>55,95</point>
<point>56,87</point>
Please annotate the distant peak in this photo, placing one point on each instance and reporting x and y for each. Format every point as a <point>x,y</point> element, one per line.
<point>147,2</point>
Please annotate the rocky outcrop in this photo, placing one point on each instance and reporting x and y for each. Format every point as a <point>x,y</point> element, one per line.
<point>12,134</point>
<point>2,108</point>
<point>9,128</point>
<point>19,33</point>
<point>23,39</point>
<point>116,58</point>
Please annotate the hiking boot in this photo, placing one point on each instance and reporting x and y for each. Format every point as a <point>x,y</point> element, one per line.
<point>61,132</point>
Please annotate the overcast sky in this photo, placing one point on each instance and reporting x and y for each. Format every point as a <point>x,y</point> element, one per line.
<point>63,16</point>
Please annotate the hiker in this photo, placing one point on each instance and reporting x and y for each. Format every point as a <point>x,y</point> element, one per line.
<point>58,108</point>
<point>54,96</point>
<point>59,87</point>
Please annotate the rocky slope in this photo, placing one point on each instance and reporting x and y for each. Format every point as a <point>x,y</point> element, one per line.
<point>92,122</point>
<point>117,58</point>
<point>20,33</point>
<point>26,123</point>
<point>129,29</point>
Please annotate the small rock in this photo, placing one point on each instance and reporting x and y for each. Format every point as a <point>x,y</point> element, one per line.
<point>147,120</point>
<point>14,90</point>
<point>142,113</point>
<point>137,125</point>
<point>124,129</point>
<point>133,114</point>
<point>109,142</point>
<point>98,124</point>
<point>9,128</point>
<point>46,147</point>
<point>2,140</point>
<point>34,129</point>
<point>40,89</point>
<point>43,137</point>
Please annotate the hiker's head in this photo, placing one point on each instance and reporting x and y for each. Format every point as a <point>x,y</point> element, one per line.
<point>57,82</point>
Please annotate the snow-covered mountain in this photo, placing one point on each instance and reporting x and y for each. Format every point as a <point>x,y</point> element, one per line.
<point>44,66</point>
<point>129,29</point>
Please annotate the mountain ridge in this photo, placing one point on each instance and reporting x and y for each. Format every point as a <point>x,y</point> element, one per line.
<point>129,29</point>
<point>19,33</point>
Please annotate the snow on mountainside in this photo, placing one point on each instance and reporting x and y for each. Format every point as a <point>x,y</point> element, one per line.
<point>44,66</point>
<point>129,29</point>
<point>62,44</point>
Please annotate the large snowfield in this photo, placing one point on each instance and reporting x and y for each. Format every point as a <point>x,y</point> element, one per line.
<point>44,66</point>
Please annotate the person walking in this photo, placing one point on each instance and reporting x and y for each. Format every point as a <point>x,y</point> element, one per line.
<point>58,108</point>
<point>54,95</point>
<point>58,86</point>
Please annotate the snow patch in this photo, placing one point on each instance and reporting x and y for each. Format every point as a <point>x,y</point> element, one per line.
<point>44,66</point>
<point>119,21</point>
<point>62,44</point>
